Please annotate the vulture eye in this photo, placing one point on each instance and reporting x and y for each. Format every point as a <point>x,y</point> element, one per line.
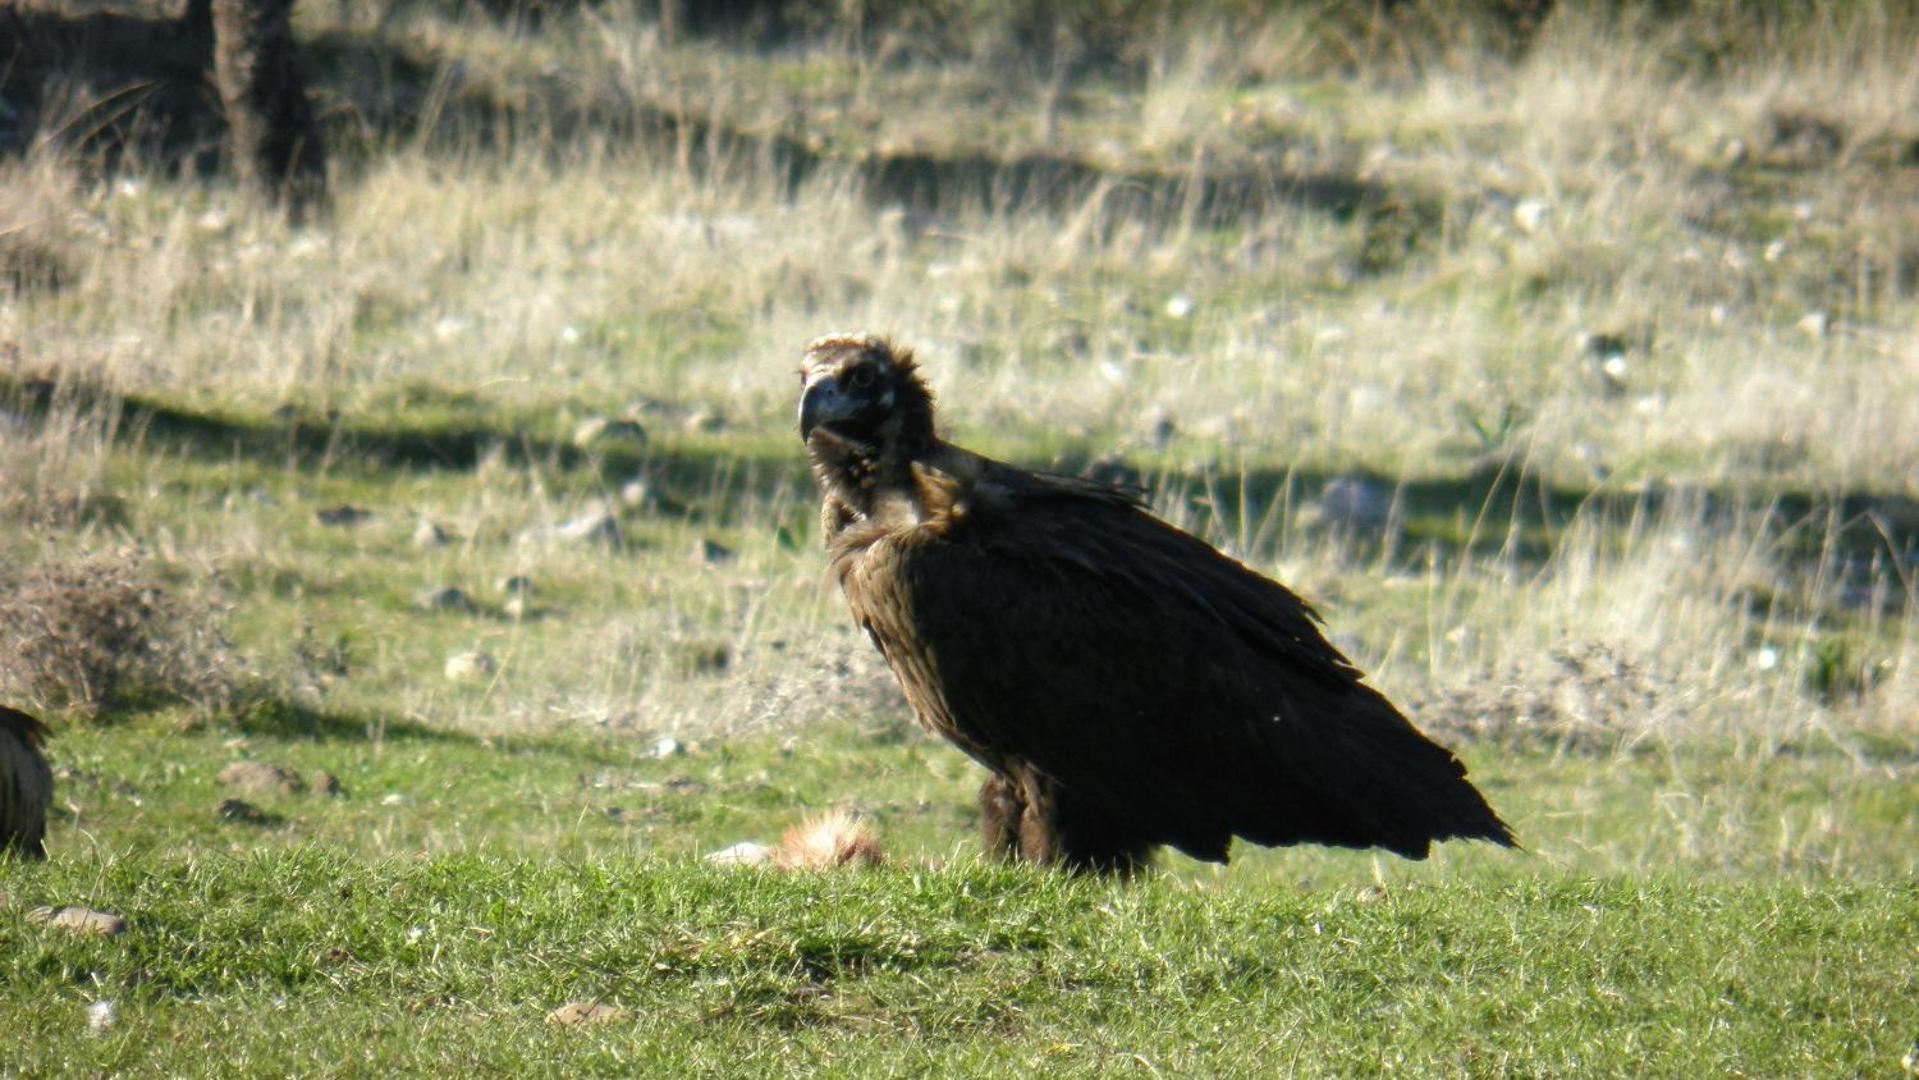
<point>861,379</point>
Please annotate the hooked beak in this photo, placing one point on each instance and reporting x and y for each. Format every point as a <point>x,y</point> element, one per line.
<point>824,402</point>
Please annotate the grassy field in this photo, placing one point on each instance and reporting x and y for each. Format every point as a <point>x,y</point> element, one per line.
<point>1578,385</point>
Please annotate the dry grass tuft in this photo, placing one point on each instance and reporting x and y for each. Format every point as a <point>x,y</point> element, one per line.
<point>105,631</point>
<point>1592,700</point>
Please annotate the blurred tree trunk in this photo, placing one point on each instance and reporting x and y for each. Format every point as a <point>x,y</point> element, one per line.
<point>273,142</point>
<point>196,22</point>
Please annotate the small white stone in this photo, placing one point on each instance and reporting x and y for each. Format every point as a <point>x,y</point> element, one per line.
<point>100,1016</point>
<point>1765,658</point>
<point>1179,306</point>
<point>745,853</point>
<point>467,666</point>
<point>1815,324</point>
<point>1351,502</point>
<point>1530,214</point>
<point>666,748</point>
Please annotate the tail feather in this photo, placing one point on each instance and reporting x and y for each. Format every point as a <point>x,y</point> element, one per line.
<point>1362,776</point>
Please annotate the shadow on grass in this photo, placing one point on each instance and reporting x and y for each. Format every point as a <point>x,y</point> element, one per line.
<point>1493,509</point>
<point>281,719</point>
<point>286,721</point>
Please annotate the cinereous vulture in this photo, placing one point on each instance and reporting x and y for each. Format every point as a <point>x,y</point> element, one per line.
<point>1126,685</point>
<point>26,785</point>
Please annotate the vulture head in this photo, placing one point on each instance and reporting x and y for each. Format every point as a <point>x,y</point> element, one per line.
<point>861,397</point>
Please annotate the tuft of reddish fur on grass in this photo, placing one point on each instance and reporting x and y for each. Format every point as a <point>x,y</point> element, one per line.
<point>829,842</point>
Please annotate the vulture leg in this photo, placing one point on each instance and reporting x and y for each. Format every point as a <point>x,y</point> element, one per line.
<point>1000,810</point>
<point>1031,816</point>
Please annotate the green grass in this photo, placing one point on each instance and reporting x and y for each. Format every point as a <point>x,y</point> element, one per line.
<point>451,961</point>
<point>1696,911</point>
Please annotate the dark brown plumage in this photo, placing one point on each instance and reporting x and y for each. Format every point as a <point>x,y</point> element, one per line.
<point>26,785</point>
<point>1126,685</point>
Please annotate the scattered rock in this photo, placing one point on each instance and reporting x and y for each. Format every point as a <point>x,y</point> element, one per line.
<point>704,421</point>
<point>1179,306</point>
<point>1815,325</point>
<point>1597,344</point>
<point>100,1016</point>
<point>710,659</point>
<point>667,747</point>
<point>583,1013</point>
<point>1612,371</point>
<point>1160,428</point>
<point>1804,138</point>
<point>519,595</point>
<point>710,552</point>
<point>261,778</point>
<point>1530,214</point>
<point>444,598</point>
<point>343,515</point>
<point>467,666</point>
<point>245,813</point>
<point>595,429</point>
<point>429,534</point>
<point>79,920</point>
<point>326,784</point>
<point>598,527</point>
<point>745,853</point>
<point>1349,502</point>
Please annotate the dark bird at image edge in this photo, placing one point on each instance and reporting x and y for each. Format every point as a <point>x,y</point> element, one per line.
<point>26,785</point>
<point>1125,685</point>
